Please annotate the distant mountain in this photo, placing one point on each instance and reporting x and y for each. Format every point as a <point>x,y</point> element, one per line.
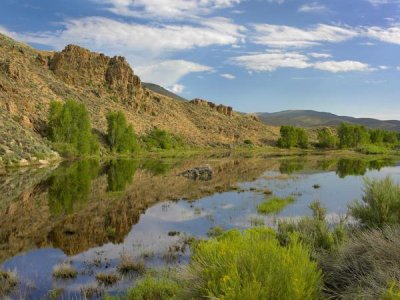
<point>162,91</point>
<point>311,118</point>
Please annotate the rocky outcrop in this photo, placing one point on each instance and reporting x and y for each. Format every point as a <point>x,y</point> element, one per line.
<point>225,110</point>
<point>81,67</point>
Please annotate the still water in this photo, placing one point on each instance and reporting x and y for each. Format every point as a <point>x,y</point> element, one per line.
<point>89,213</point>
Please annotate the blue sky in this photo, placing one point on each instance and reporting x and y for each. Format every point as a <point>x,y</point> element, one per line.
<point>255,55</point>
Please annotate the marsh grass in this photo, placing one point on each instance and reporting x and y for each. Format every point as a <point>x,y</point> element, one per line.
<point>274,204</point>
<point>64,271</point>
<point>107,279</point>
<point>154,288</point>
<point>251,265</point>
<point>8,281</point>
<point>128,265</point>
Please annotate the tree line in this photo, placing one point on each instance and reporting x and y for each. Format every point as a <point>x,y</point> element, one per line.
<point>345,136</point>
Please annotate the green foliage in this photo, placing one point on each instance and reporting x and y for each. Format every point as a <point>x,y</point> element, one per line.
<point>380,204</point>
<point>293,137</point>
<point>252,265</point>
<point>313,231</point>
<point>70,186</point>
<point>392,292</point>
<point>326,139</point>
<point>161,139</point>
<point>373,149</point>
<point>380,136</point>
<point>119,174</point>
<point>215,231</point>
<point>351,136</point>
<point>70,129</point>
<point>154,288</point>
<point>274,204</point>
<point>346,167</point>
<point>121,137</point>
<point>248,142</point>
<point>289,166</point>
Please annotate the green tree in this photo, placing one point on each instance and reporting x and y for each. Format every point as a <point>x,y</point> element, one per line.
<point>302,138</point>
<point>326,139</point>
<point>161,139</point>
<point>70,129</point>
<point>293,137</point>
<point>352,136</point>
<point>121,137</point>
<point>376,136</point>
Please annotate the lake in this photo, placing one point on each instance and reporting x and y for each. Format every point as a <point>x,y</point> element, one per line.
<point>89,213</point>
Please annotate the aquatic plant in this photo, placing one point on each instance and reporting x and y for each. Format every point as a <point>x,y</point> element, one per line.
<point>107,279</point>
<point>380,204</point>
<point>235,266</point>
<point>154,288</point>
<point>64,271</point>
<point>274,204</point>
<point>8,281</point>
<point>128,265</point>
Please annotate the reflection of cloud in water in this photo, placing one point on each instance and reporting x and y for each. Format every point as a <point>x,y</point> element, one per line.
<point>171,212</point>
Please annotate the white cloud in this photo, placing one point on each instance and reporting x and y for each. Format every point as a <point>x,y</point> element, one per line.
<point>319,55</point>
<point>166,8</point>
<point>228,76</point>
<point>342,66</point>
<point>313,7</point>
<point>168,73</point>
<point>383,67</point>
<point>272,60</point>
<point>388,35</point>
<point>286,36</point>
<point>382,2</point>
<point>176,88</point>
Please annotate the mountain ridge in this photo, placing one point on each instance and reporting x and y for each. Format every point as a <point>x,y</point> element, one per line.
<point>312,118</point>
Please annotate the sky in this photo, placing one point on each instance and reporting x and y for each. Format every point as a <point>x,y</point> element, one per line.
<point>338,56</point>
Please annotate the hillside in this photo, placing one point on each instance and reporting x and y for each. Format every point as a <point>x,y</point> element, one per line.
<point>310,118</point>
<point>162,91</point>
<point>31,79</point>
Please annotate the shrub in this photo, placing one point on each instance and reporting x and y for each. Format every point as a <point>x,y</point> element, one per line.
<point>107,279</point>
<point>380,204</point>
<point>64,271</point>
<point>121,137</point>
<point>326,139</point>
<point>161,139</point>
<point>252,265</point>
<point>274,204</point>
<point>363,267</point>
<point>314,231</point>
<point>373,149</point>
<point>70,129</point>
<point>351,136</point>
<point>154,288</point>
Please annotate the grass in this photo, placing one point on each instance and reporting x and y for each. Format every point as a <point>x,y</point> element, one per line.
<point>128,265</point>
<point>154,288</point>
<point>373,149</point>
<point>215,231</point>
<point>8,281</point>
<point>274,204</point>
<point>107,279</point>
<point>380,204</point>
<point>251,265</point>
<point>64,271</point>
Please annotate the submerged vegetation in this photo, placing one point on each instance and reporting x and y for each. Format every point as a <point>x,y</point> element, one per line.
<point>274,204</point>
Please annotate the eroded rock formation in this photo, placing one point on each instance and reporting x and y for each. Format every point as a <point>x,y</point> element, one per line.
<point>225,110</point>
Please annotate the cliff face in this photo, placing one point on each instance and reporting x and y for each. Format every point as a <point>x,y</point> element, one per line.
<point>31,79</point>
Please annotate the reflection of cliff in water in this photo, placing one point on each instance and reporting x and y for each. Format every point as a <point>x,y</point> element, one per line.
<point>81,205</point>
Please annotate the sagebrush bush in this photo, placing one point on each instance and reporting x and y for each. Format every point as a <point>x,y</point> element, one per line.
<point>313,231</point>
<point>251,265</point>
<point>363,267</point>
<point>161,139</point>
<point>380,204</point>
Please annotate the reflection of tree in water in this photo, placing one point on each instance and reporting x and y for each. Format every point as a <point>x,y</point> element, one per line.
<point>157,167</point>
<point>70,186</point>
<point>119,174</point>
<point>359,167</point>
<point>291,166</point>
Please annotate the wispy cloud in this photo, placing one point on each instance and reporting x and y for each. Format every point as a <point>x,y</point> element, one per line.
<point>281,36</point>
<point>313,7</point>
<point>228,76</point>
<point>342,66</point>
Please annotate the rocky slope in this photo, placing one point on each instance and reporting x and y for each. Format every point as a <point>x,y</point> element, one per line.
<point>31,79</point>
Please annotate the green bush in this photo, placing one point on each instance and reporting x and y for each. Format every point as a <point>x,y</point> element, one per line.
<point>293,137</point>
<point>121,137</point>
<point>274,204</point>
<point>70,129</point>
<point>373,149</point>
<point>161,139</point>
<point>153,288</point>
<point>326,139</point>
<point>252,265</point>
<point>313,231</point>
<point>380,204</point>
<point>351,136</point>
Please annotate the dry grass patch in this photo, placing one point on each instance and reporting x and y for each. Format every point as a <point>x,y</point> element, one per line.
<point>8,281</point>
<point>128,265</point>
<point>107,279</point>
<point>64,271</point>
